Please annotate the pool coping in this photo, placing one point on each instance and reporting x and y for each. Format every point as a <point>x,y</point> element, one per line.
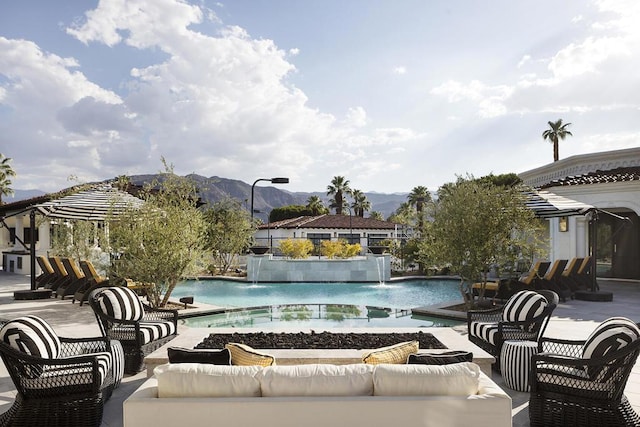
<point>190,337</point>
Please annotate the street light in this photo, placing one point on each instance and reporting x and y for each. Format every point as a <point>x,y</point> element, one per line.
<point>273,181</point>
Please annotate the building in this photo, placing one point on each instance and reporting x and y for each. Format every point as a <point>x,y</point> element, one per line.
<point>365,231</point>
<point>610,182</point>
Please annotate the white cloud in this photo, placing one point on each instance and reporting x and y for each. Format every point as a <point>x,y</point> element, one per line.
<point>400,70</point>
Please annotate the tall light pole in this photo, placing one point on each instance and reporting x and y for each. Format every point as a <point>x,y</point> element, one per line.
<point>273,181</point>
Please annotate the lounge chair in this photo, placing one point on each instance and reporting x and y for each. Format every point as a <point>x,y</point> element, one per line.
<point>94,281</point>
<point>582,278</point>
<point>527,281</point>
<point>48,274</point>
<point>62,276</point>
<point>59,381</point>
<point>78,279</point>
<point>552,280</point>
<point>141,329</point>
<point>523,317</point>
<point>581,383</point>
<point>569,275</point>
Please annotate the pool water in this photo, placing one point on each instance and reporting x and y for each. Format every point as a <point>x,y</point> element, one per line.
<point>396,295</point>
<point>316,317</point>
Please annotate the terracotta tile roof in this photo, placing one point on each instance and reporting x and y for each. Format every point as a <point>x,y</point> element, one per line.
<point>599,177</point>
<point>331,221</point>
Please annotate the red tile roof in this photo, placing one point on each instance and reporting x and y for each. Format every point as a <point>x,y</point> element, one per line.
<point>599,177</point>
<point>331,221</point>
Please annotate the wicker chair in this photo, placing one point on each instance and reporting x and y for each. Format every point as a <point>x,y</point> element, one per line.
<point>523,317</point>
<point>141,329</point>
<point>581,383</point>
<point>59,381</point>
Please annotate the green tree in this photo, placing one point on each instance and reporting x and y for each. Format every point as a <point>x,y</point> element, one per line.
<point>418,198</point>
<point>228,232</point>
<point>338,188</point>
<point>360,203</point>
<point>402,215</point>
<point>6,172</point>
<point>162,242</point>
<point>376,215</point>
<point>315,205</point>
<point>556,132</point>
<point>478,225</point>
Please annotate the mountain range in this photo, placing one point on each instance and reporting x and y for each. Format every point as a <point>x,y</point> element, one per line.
<point>266,196</point>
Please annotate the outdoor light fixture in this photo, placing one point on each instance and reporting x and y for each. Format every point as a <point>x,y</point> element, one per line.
<point>273,181</point>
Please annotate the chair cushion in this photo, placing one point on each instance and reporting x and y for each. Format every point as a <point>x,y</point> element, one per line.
<point>609,336</point>
<point>244,355</point>
<point>445,358</point>
<point>120,303</point>
<point>149,331</point>
<point>205,355</point>
<point>524,305</point>
<point>316,380</point>
<point>397,353</point>
<point>31,335</point>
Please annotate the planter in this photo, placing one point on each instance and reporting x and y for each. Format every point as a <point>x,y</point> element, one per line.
<point>378,250</point>
<point>259,250</point>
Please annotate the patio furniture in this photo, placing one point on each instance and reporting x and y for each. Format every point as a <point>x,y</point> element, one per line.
<point>62,276</point>
<point>48,274</point>
<point>552,280</point>
<point>78,279</point>
<point>581,383</point>
<point>141,329</point>
<point>515,362</point>
<point>524,317</point>
<point>94,281</point>
<point>59,381</point>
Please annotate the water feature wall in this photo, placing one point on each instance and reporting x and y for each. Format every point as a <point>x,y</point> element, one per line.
<point>267,268</point>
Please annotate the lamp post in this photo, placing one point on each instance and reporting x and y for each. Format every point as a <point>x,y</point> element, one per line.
<point>273,181</point>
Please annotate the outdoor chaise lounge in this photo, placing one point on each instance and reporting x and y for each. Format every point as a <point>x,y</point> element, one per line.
<point>62,276</point>
<point>78,279</point>
<point>141,329</point>
<point>581,383</point>
<point>59,381</point>
<point>47,275</point>
<point>523,317</point>
<point>552,280</point>
<point>94,281</point>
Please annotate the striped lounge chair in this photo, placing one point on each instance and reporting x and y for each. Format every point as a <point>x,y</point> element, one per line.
<point>141,329</point>
<point>523,317</point>
<point>59,381</point>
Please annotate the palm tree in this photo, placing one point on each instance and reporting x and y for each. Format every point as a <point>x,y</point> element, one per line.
<point>417,198</point>
<point>556,132</point>
<point>376,215</point>
<point>360,203</point>
<point>6,172</point>
<point>338,188</point>
<point>315,205</point>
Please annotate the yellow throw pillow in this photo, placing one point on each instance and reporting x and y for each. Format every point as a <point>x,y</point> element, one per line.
<point>243,355</point>
<point>395,354</point>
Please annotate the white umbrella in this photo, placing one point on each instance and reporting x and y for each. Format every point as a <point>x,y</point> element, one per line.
<point>546,204</point>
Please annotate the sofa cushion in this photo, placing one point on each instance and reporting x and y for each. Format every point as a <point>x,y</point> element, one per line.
<point>317,380</point>
<point>397,353</point>
<point>204,380</point>
<point>204,355</point>
<point>243,355</point>
<point>460,379</point>
<point>31,335</point>
<point>445,358</point>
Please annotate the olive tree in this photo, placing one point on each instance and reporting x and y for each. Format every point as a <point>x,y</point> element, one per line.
<point>228,232</point>
<point>476,225</point>
<point>160,243</point>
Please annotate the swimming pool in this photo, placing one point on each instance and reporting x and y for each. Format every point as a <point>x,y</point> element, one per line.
<point>316,317</point>
<point>395,295</point>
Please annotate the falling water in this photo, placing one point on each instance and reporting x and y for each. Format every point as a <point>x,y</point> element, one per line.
<point>379,261</point>
<point>256,269</point>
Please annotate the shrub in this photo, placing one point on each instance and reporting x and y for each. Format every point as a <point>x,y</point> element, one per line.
<point>296,248</point>
<point>339,249</point>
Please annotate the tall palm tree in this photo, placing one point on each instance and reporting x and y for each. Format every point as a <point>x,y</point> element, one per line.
<point>360,203</point>
<point>556,132</point>
<point>338,188</point>
<point>376,215</point>
<point>417,198</point>
<point>315,205</point>
<point>6,172</point>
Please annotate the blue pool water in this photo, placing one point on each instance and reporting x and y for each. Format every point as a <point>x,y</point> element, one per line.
<point>395,295</point>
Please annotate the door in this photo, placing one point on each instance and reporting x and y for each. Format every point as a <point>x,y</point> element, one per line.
<point>618,245</point>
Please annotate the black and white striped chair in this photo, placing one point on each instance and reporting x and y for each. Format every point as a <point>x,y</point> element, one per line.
<point>524,317</point>
<point>59,381</point>
<point>581,383</point>
<point>139,328</point>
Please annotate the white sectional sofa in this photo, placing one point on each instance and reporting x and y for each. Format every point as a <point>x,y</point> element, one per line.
<point>318,395</point>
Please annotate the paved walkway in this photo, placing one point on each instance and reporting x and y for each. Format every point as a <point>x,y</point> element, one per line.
<point>572,319</point>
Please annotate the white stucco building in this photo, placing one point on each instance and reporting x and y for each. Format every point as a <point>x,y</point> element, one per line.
<point>609,181</point>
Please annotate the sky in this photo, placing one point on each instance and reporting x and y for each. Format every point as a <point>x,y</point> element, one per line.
<point>388,94</point>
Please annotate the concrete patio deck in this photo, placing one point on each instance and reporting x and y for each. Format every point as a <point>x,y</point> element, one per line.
<point>572,319</point>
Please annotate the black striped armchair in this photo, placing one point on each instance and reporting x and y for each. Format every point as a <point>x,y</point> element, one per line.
<point>141,329</point>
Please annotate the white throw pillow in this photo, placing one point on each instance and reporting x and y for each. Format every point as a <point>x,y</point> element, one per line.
<point>205,380</point>
<point>317,380</point>
<point>459,379</point>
